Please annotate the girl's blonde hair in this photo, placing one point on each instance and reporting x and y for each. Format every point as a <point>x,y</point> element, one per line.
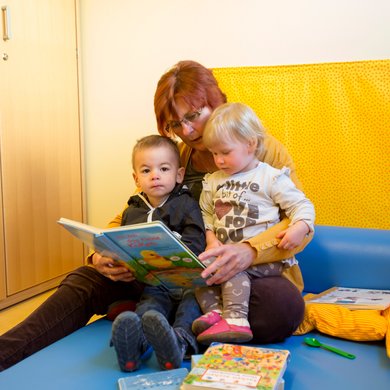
<point>234,121</point>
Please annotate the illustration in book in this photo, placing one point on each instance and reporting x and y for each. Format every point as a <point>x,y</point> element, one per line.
<point>354,298</point>
<point>238,367</point>
<point>150,250</point>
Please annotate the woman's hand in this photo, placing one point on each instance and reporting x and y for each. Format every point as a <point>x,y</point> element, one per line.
<point>112,269</point>
<point>229,261</point>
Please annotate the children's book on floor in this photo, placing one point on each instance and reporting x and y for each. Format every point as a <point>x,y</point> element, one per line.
<point>231,366</point>
<point>150,250</point>
<point>167,380</point>
<point>354,298</point>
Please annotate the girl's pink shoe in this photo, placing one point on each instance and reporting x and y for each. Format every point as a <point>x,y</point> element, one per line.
<point>205,321</point>
<point>224,333</point>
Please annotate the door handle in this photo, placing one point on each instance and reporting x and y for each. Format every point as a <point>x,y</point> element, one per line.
<point>5,19</point>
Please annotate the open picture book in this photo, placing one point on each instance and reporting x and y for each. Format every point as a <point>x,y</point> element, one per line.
<point>153,253</point>
<point>354,298</point>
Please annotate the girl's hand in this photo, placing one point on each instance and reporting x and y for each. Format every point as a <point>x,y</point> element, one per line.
<point>293,235</point>
<point>211,240</point>
<point>229,260</point>
<point>112,269</point>
<point>214,244</point>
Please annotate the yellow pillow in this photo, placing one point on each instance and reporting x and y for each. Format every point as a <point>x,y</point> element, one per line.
<point>386,314</point>
<point>336,320</point>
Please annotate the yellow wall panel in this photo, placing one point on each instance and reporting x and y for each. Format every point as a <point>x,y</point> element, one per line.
<point>334,118</point>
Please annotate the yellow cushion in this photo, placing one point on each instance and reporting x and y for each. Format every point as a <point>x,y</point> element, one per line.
<point>386,314</point>
<point>338,321</point>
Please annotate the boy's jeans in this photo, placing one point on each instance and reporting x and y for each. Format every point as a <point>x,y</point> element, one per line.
<point>179,306</point>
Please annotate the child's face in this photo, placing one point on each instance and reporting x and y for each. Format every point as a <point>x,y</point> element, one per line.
<point>233,156</point>
<point>156,172</point>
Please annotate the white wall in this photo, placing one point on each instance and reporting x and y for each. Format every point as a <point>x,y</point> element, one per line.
<point>126,45</point>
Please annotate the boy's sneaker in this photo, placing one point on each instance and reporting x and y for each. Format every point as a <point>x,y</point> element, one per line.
<point>224,332</point>
<point>129,340</point>
<point>205,321</point>
<point>168,347</point>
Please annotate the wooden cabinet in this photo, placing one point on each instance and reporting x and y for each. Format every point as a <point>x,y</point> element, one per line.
<point>40,146</point>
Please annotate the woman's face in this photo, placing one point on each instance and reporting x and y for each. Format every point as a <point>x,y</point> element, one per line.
<point>190,126</point>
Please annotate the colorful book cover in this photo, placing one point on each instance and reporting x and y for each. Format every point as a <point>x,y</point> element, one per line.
<point>150,250</point>
<point>167,380</point>
<point>230,366</point>
<point>354,298</point>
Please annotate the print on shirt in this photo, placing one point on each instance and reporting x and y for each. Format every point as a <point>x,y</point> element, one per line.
<point>235,210</point>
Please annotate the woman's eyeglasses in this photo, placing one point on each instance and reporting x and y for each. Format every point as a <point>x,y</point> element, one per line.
<point>189,118</point>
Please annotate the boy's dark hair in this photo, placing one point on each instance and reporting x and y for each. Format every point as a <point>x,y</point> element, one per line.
<point>155,141</point>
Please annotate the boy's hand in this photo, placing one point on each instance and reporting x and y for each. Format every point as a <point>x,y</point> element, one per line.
<point>293,235</point>
<point>111,268</point>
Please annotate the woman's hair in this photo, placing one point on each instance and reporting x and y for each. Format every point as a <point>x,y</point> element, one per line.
<point>188,82</point>
<point>235,121</point>
<point>156,141</point>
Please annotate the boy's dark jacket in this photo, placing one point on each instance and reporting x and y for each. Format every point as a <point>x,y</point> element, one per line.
<point>181,213</point>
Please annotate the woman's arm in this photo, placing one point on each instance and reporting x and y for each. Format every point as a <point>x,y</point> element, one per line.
<point>234,258</point>
<point>266,244</point>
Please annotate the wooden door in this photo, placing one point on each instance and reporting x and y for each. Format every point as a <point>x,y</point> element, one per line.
<point>40,142</point>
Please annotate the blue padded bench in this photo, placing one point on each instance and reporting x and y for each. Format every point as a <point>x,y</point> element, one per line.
<point>336,256</point>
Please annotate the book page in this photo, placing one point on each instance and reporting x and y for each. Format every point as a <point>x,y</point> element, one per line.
<point>354,297</point>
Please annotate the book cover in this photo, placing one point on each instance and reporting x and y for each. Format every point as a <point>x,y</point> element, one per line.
<point>167,380</point>
<point>195,358</point>
<point>354,298</point>
<point>234,367</point>
<point>150,250</point>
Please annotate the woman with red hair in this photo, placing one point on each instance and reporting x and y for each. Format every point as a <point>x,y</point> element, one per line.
<point>185,97</point>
